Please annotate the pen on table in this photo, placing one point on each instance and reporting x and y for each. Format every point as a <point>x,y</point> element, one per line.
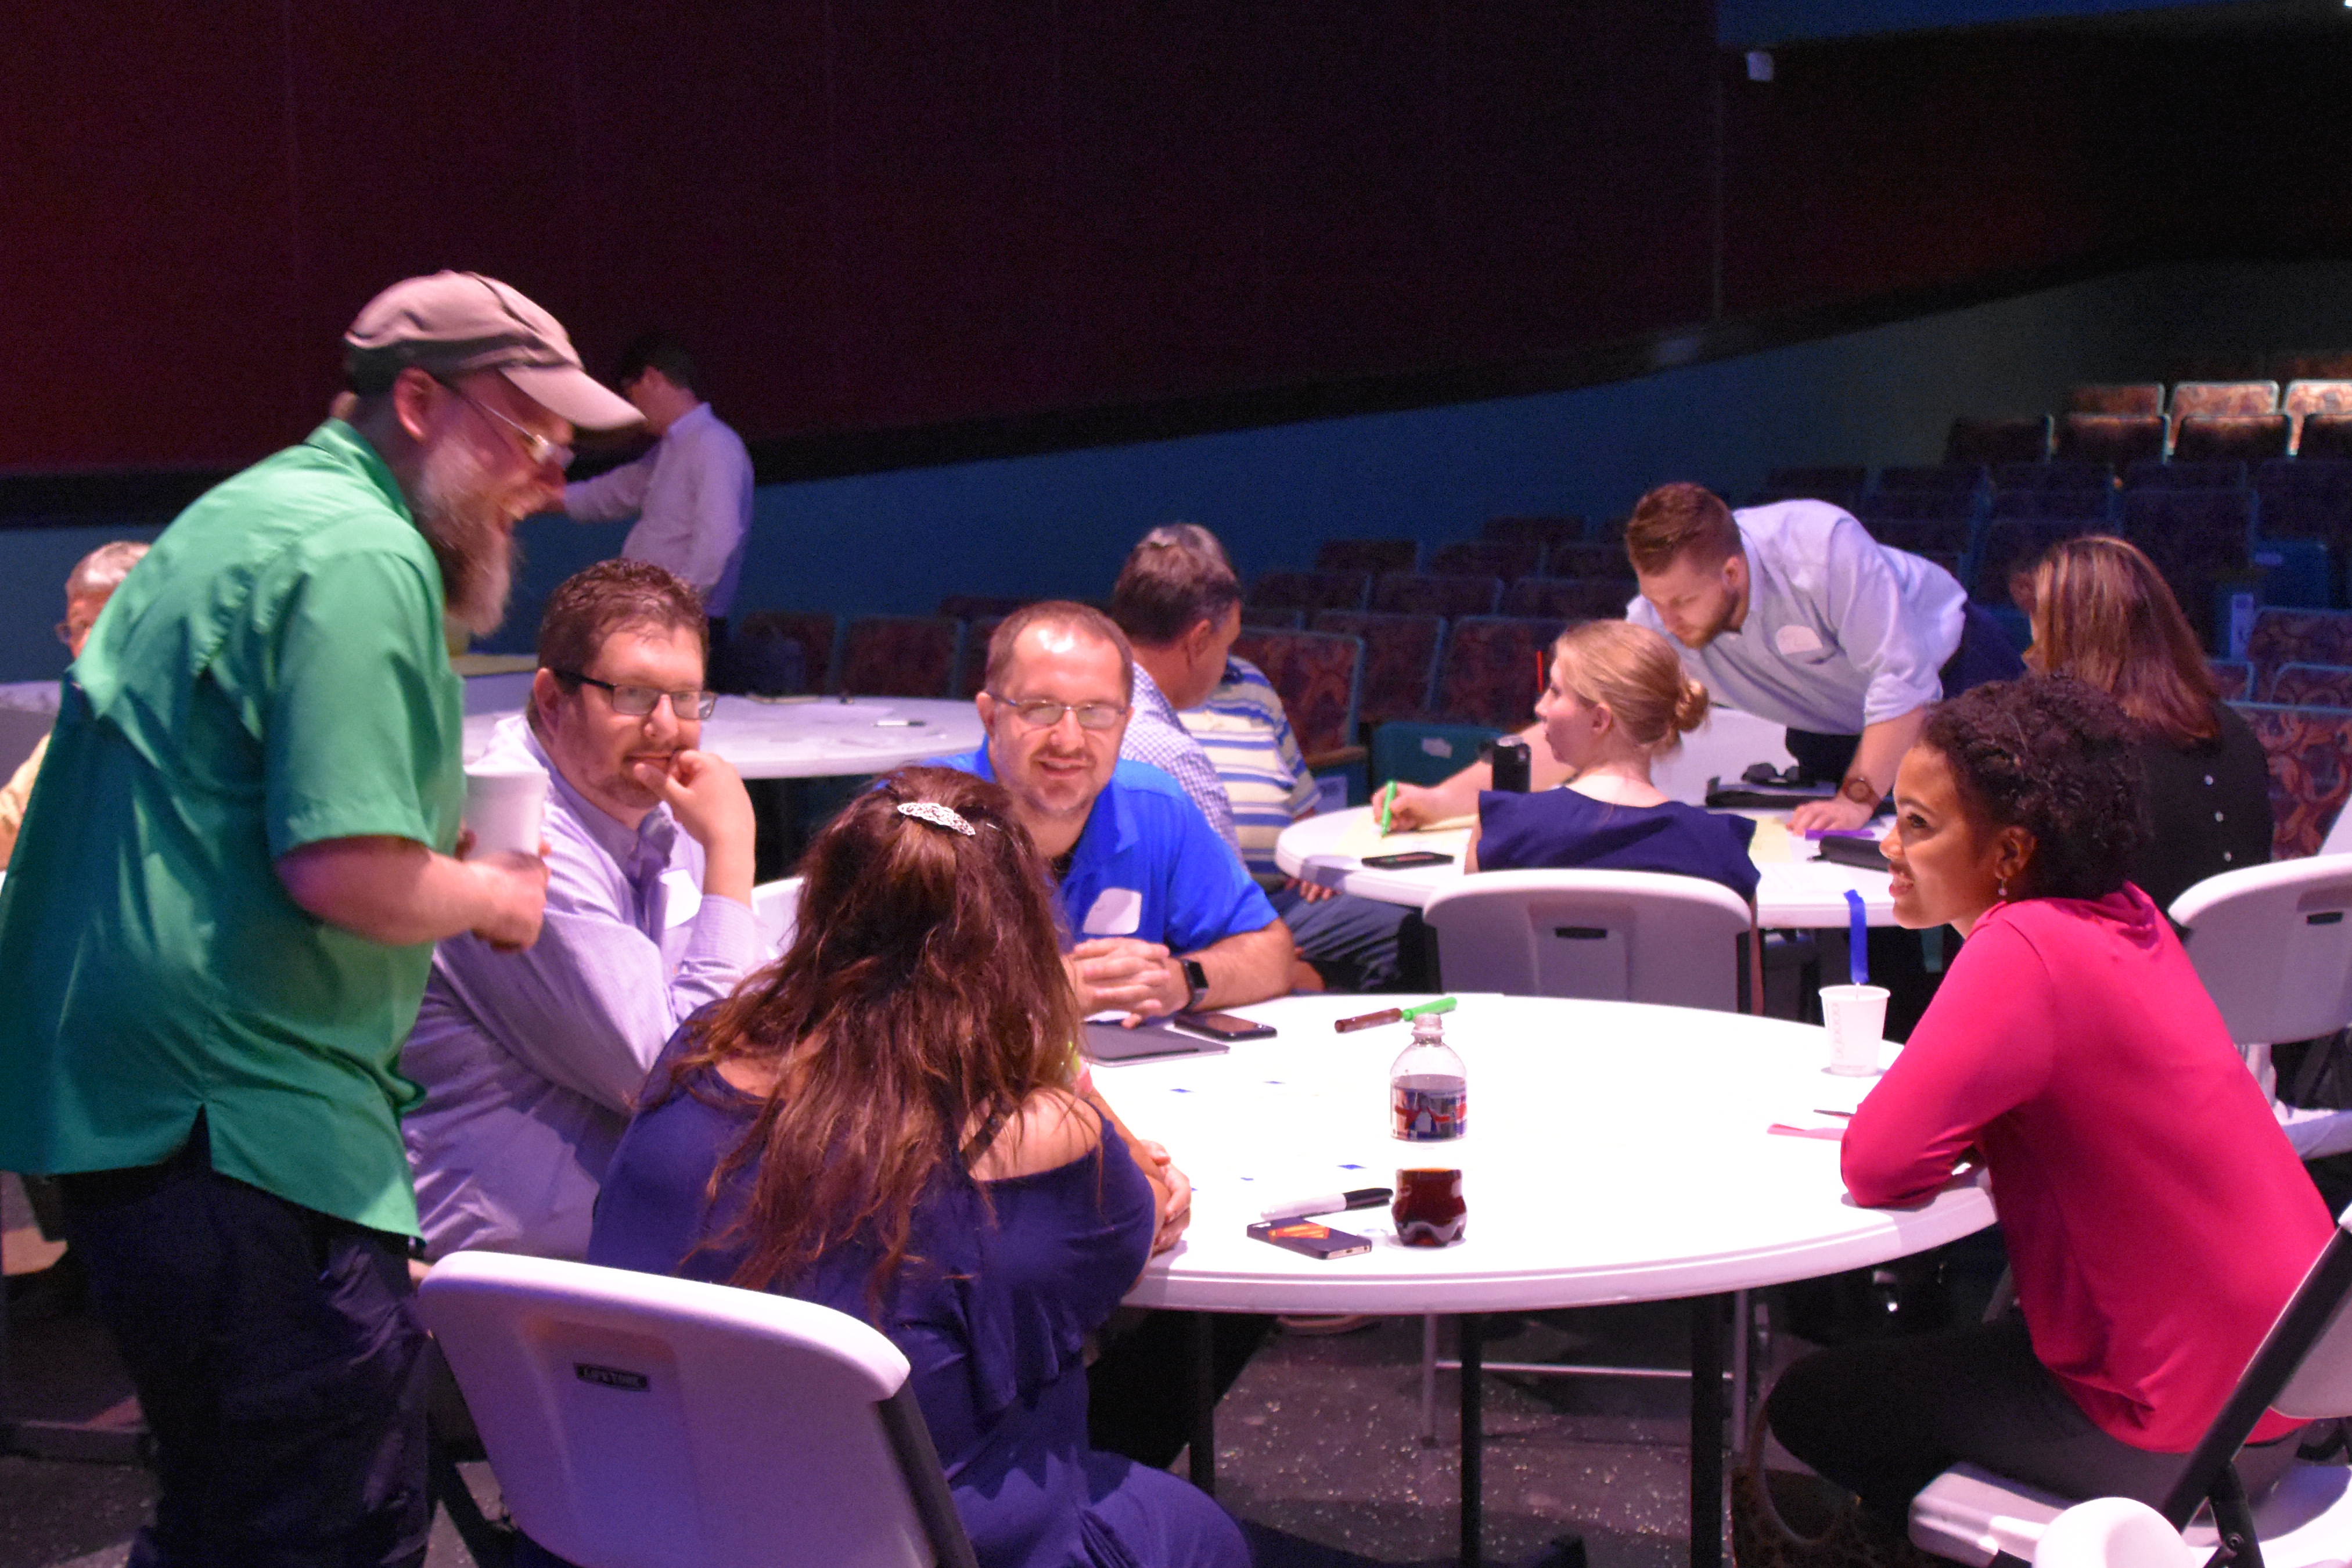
<point>1388,802</point>
<point>1395,1015</point>
<point>1331,1203</point>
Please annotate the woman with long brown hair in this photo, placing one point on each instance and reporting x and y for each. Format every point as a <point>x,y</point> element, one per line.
<point>888,1122</point>
<point>2103,614</point>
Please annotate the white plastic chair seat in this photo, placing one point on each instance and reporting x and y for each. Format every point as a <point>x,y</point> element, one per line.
<point>639,1421</point>
<point>2112,1532</point>
<point>1609,936</point>
<point>1967,1514</point>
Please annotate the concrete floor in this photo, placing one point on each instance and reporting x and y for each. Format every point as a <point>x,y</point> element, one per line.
<point>1320,1436</point>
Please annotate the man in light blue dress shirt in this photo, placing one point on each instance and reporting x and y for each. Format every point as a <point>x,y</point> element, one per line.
<point>530,1061</point>
<point>1794,613</point>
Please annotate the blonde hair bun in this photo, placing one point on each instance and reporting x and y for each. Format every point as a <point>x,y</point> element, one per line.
<point>1691,709</point>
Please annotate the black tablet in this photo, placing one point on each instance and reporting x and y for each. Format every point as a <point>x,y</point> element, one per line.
<point>1116,1043</point>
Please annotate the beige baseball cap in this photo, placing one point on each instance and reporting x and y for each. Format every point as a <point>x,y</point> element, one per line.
<point>452,324</point>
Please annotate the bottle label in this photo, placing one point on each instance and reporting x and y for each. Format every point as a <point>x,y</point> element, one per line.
<point>1428,1113</point>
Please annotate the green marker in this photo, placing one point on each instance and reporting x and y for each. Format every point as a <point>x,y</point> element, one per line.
<point>1388,799</point>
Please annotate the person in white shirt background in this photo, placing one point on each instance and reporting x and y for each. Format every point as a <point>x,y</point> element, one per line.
<point>691,495</point>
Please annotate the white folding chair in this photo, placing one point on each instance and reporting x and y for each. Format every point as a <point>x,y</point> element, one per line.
<point>2303,1370</point>
<point>639,1421</point>
<point>1611,936</point>
<point>1607,936</point>
<point>776,910</point>
<point>2274,946</point>
<point>2112,1532</point>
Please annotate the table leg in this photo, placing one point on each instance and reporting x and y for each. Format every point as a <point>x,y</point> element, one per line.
<point>1472,1329</point>
<point>1707,1432</point>
<point>1205,1401</point>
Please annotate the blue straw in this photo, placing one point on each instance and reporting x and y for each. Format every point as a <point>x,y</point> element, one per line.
<point>1857,939</point>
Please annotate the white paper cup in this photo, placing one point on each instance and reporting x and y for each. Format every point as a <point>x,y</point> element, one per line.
<point>505,807</point>
<point>1856,1018</point>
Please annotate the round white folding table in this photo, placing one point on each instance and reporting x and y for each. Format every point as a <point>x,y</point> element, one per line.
<point>1617,1152</point>
<point>1796,891</point>
<point>812,737</point>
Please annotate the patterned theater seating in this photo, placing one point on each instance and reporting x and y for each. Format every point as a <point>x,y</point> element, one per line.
<point>2311,686</point>
<point>2246,437</point>
<point>2191,399</point>
<point>1544,530</point>
<point>1492,670</point>
<point>2196,538</point>
<point>1277,620</point>
<point>1413,594</point>
<point>777,652</point>
<point>2310,754</point>
<point>1588,558</point>
<point>1319,677</point>
<point>899,656</point>
<point>1311,591</point>
<point>2116,438</point>
<point>1368,555</point>
<point>1485,558</point>
<point>971,606</point>
<point>2117,397</point>
<point>2305,397</point>
<point>1570,598</point>
<point>1400,659</point>
<point>2282,636</point>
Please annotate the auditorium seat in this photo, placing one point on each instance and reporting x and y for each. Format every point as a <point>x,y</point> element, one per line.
<point>2019,440</point>
<point>971,606</point>
<point>1544,530</point>
<point>2281,636</point>
<point>2117,397</point>
<point>2190,398</point>
<point>2220,474</point>
<point>1415,593</point>
<point>972,671</point>
<point>2197,538</point>
<point>1571,598</point>
<point>2089,508</point>
<point>1922,535</point>
<point>1959,481</point>
<point>1500,558</point>
<point>1494,669</point>
<point>1271,618</point>
<point>1587,558</point>
<point>1400,660</point>
<point>2058,474</point>
<point>1311,591</point>
<point>2311,365</point>
<point>899,656</point>
<point>1319,677</point>
<point>2307,397</point>
<point>2311,686</point>
<point>2013,544</point>
<point>2243,438</point>
<point>2235,677</point>
<point>2115,438</point>
<point>2327,436</point>
<point>767,646</point>
<point>2310,754</point>
<point>1368,555</point>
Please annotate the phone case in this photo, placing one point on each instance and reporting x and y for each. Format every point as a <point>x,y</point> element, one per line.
<point>1410,859</point>
<point>1311,1237</point>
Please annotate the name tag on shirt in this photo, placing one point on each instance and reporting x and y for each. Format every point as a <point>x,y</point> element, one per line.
<point>1118,911</point>
<point>1796,641</point>
<point>681,896</point>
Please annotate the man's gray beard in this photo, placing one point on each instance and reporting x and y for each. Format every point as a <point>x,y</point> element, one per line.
<point>460,521</point>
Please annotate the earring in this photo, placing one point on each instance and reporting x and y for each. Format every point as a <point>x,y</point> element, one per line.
<point>2001,888</point>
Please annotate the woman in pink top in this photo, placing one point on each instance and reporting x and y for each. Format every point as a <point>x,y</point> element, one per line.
<point>2156,1217</point>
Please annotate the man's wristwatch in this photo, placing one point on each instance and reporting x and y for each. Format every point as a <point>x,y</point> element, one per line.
<point>1196,983</point>
<point>1860,791</point>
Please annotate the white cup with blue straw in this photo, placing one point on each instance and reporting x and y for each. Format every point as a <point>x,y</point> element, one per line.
<point>1855,1015</point>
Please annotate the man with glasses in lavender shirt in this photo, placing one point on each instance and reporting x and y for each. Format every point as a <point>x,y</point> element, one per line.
<point>530,1061</point>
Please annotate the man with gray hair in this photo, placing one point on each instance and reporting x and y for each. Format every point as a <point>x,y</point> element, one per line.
<point>219,920</point>
<point>1214,723</point>
<point>87,587</point>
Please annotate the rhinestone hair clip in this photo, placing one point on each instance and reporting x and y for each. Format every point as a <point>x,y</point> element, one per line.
<point>938,815</point>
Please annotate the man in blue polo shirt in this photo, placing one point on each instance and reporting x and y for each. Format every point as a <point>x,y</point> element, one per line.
<point>1163,917</point>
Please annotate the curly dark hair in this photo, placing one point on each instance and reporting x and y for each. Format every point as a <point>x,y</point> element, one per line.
<point>2054,756</point>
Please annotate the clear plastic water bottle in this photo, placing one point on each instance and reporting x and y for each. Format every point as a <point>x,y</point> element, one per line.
<point>1429,1093</point>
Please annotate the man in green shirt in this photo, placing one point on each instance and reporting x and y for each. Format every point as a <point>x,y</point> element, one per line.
<point>220,916</point>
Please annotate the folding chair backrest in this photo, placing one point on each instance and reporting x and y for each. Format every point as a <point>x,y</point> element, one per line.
<point>776,912</point>
<point>1611,936</point>
<point>637,1421</point>
<point>2274,946</point>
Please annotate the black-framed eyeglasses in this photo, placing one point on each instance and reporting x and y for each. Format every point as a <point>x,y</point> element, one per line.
<point>1043,715</point>
<point>539,448</point>
<point>636,701</point>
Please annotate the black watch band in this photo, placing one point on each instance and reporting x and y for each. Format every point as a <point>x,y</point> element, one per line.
<point>1196,983</point>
